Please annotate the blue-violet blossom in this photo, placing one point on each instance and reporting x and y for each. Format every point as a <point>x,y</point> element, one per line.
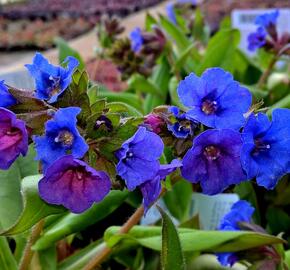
<point>139,158</point>
<point>241,211</point>
<point>171,12</point>
<point>183,126</point>
<point>6,99</point>
<point>61,137</point>
<point>214,160</point>
<point>74,184</point>
<point>257,39</point>
<point>266,147</point>
<point>151,188</point>
<point>136,39</point>
<point>268,19</point>
<point>51,81</point>
<point>13,138</point>
<point>215,99</point>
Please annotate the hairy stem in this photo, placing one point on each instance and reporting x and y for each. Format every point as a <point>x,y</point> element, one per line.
<point>28,252</point>
<point>131,222</point>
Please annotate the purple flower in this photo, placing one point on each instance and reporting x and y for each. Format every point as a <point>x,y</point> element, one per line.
<point>214,160</point>
<point>266,147</point>
<point>61,137</point>
<point>13,138</point>
<point>151,188</point>
<point>51,81</point>
<point>268,19</point>
<point>241,211</point>
<point>171,12</point>
<point>136,39</point>
<point>6,99</point>
<point>215,99</point>
<point>257,39</point>
<point>72,183</point>
<point>139,158</point>
<point>183,126</point>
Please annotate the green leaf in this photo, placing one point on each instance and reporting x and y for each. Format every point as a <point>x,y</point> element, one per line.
<point>72,223</point>
<point>48,258</point>
<point>140,83</point>
<point>128,98</point>
<point>192,240</point>
<point>34,208</point>
<point>175,33</point>
<point>160,77</point>
<point>178,200</point>
<point>221,50</point>
<point>149,22</point>
<point>287,258</point>
<point>7,261</point>
<point>10,195</point>
<point>190,51</point>
<point>171,254</point>
<point>65,50</point>
<point>123,107</point>
<point>282,103</point>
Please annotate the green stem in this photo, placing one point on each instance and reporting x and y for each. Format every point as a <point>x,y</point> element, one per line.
<point>28,252</point>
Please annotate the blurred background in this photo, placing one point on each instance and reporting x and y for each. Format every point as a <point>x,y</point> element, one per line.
<point>27,26</point>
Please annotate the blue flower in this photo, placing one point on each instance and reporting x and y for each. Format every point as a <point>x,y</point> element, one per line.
<point>13,138</point>
<point>6,99</point>
<point>266,147</point>
<point>61,137</point>
<point>268,19</point>
<point>215,99</point>
<point>136,39</point>
<point>138,158</point>
<point>241,211</point>
<point>183,126</point>
<point>151,188</point>
<point>214,160</point>
<point>257,39</point>
<point>171,12</point>
<point>72,183</point>
<point>51,81</point>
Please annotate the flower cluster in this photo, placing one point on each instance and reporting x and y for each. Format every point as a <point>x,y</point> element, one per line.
<point>67,180</point>
<point>238,148</point>
<point>266,34</point>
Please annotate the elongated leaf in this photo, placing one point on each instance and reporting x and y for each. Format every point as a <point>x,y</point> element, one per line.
<point>34,208</point>
<point>175,33</point>
<point>287,258</point>
<point>48,259</point>
<point>171,253</point>
<point>190,51</point>
<point>193,240</point>
<point>123,107</point>
<point>7,261</point>
<point>65,50</point>
<point>221,50</point>
<point>72,223</point>
<point>10,196</point>
<point>127,98</point>
<point>140,83</point>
